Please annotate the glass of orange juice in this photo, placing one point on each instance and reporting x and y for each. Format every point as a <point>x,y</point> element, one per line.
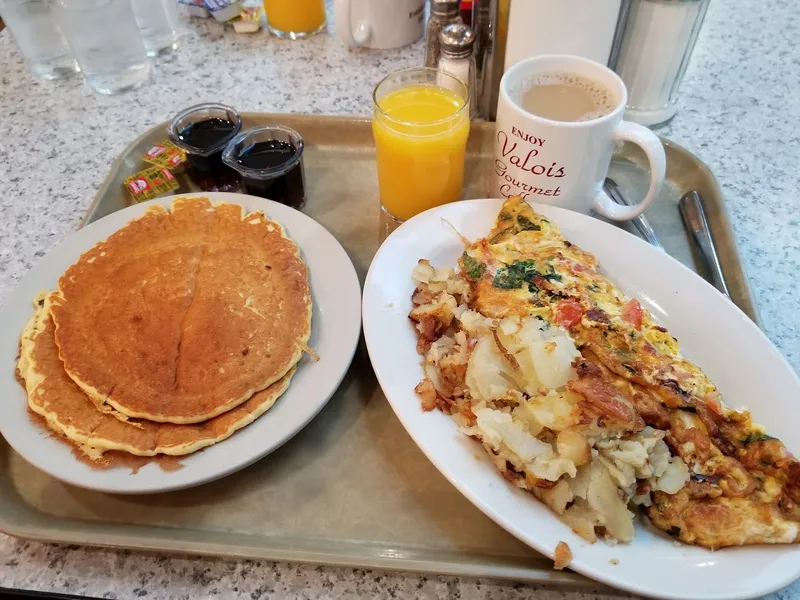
<point>420,124</point>
<point>295,19</point>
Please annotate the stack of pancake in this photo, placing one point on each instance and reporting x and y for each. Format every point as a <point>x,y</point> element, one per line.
<point>176,331</point>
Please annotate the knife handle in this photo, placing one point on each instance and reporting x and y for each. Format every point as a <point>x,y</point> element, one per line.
<point>694,217</point>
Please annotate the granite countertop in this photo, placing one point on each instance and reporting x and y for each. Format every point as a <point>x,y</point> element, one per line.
<point>738,112</point>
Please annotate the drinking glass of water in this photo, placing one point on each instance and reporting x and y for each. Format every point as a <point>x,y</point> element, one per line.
<point>158,23</point>
<point>106,42</point>
<point>40,41</point>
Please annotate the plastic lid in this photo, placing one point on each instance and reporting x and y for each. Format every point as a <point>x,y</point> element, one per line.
<point>457,40</point>
<point>445,8</point>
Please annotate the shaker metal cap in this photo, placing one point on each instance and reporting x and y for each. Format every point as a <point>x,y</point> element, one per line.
<point>445,8</point>
<point>456,40</point>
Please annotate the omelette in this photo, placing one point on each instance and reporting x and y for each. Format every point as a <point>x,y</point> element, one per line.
<point>183,314</point>
<point>581,398</point>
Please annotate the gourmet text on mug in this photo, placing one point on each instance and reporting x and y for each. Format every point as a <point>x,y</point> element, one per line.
<point>524,155</point>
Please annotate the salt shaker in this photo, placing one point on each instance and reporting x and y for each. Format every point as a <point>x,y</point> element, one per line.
<point>443,13</point>
<point>456,57</point>
<point>657,43</point>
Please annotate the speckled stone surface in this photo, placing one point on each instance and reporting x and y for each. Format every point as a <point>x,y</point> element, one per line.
<point>739,111</point>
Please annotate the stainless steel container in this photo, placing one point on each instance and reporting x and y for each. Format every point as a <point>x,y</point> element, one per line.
<point>507,31</point>
<point>656,44</point>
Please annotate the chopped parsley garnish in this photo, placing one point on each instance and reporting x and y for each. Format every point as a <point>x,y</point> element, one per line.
<point>499,236</point>
<point>508,279</point>
<point>525,224</point>
<point>472,268</point>
<point>756,437</point>
<point>521,271</point>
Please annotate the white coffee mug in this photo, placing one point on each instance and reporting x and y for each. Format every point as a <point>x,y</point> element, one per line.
<point>379,24</point>
<point>565,163</point>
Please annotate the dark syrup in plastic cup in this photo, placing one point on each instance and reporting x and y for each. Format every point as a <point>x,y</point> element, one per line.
<point>203,131</point>
<point>270,162</point>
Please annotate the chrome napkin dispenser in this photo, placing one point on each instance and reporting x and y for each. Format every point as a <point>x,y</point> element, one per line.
<point>509,30</point>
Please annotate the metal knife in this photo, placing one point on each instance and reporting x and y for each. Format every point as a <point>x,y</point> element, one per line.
<point>694,217</point>
<point>643,227</point>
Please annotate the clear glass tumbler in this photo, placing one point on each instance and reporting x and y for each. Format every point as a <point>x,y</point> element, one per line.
<point>421,124</point>
<point>295,19</point>
<point>106,42</point>
<point>39,38</point>
<point>158,22</point>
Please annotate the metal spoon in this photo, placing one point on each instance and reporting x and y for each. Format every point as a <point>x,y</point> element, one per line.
<point>643,227</point>
<point>694,217</point>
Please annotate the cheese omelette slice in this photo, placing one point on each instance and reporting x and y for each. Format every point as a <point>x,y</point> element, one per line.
<point>745,485</point>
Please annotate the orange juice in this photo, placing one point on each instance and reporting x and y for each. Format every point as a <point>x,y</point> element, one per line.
<point>420,140</point>
<point>295,16</point>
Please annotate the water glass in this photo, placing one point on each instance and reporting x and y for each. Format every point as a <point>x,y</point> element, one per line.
<point>106,42</point>
<point>158,24</point>
<point>41,42</point>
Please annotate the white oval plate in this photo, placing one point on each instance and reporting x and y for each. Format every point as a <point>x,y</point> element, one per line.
<point>746,367</point>
<point>335,330</point>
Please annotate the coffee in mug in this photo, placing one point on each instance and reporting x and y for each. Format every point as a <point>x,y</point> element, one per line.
<point>558,117</point>
<point>567,97</point>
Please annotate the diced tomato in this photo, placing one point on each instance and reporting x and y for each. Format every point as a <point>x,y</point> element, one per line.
<point>632,313</point>
<point>568,313</point>
<point>714,403</point>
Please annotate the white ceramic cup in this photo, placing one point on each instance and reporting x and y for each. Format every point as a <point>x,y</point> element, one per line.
<point>565,163</point>
<point>379,24</point>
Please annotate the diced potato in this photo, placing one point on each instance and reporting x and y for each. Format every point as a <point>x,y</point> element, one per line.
<point>556,411</point>
<point>563,556</point>
<point>442,273</point>
<point>489,374</point>
<point>582,519</point>
<point>524,415</point>
<point>423,272</point>
<point>557,497</point>
<point>573,446</point>
<point>498,427</point>
<point>552,467</point>
<point>553,361</point>
<point>604,497</point>
<point>544,354</point>
<point>441,309</point>
<point>674,478</point>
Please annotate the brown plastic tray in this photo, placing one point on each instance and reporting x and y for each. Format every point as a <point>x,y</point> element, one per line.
<point>352,488</point>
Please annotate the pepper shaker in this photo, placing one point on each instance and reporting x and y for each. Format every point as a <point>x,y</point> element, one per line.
<point>443,13</point>
<point>456,57</point>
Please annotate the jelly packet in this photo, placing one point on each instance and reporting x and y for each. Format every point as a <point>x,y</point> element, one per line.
<point>165,154</point>
<point>195,8</point>
<point>250,19</point>
<point>151,183</point>
<point>223,10</point>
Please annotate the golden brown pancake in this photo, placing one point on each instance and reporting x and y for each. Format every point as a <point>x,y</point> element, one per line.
<point>67,410</point>
<point>183,314</point>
